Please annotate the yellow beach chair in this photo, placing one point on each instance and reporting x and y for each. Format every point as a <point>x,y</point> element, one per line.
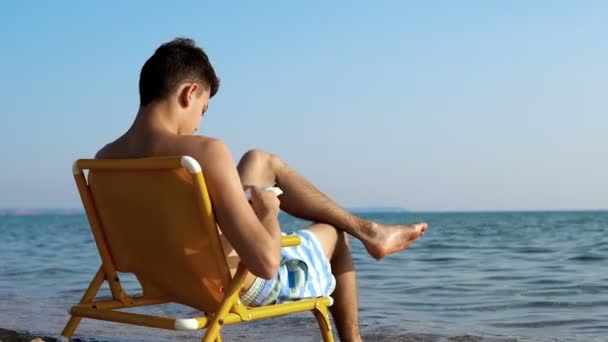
<point>153,217</point>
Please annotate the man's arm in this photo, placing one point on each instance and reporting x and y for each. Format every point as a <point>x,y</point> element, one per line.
<point>256,240</point>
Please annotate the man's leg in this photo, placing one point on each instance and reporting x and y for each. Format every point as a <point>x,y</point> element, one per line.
<point>304,200</point>
<point>253,171</point>
<point>346,307</point>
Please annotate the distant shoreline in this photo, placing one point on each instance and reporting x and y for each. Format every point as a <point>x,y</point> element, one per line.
<point>41,212</point>
<point>359,210</point>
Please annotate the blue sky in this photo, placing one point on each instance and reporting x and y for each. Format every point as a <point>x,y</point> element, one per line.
<point>426,105</point>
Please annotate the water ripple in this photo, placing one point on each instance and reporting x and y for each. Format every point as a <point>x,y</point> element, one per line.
<point>472,277</point>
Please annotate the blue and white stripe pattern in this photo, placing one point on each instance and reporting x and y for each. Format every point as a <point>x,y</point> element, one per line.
<point>305,272</point>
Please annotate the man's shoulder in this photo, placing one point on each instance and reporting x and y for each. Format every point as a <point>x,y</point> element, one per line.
<point>201,143</point>
<point>203,148</point>
<point>211,153</point>
<point>103,152</point>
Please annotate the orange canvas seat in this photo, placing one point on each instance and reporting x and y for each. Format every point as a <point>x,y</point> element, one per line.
<point>153,217</point>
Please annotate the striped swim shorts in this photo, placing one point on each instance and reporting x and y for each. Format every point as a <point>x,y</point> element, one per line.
<point>304,272</point>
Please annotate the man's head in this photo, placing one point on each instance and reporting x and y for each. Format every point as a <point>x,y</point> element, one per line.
<point>181,71</point>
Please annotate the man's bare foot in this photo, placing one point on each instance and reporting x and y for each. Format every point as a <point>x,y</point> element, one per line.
<point>388,239</point>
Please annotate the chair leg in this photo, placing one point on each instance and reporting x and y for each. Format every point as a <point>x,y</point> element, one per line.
<point>212,333</point>
<point>88,297</point>
<point>230,298</point>
<point>322,317</point>
<point>70,327</point>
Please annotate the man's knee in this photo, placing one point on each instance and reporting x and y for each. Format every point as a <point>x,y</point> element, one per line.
<point>254,156</point>
<point>340,236</point>
<point>259,157</point>
<point>343,239</point>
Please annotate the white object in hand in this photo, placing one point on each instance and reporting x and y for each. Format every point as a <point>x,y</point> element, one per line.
<point>277,191</point>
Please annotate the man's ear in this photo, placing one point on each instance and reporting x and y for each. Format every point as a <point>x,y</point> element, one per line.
<point>187,94</point>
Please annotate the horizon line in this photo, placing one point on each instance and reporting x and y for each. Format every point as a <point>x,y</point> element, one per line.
<point>359,209</point>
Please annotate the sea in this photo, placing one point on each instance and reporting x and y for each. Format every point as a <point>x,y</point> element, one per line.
<point>473,277</point>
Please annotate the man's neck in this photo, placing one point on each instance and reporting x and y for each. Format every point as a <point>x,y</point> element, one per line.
<point>157,117</point>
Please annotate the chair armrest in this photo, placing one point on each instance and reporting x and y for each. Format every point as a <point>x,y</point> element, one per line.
<point>290,240</point>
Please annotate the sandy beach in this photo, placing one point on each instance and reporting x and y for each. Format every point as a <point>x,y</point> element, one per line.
<point>13,336</point>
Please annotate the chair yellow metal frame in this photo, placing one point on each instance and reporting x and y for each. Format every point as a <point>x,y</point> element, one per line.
<point>116,177</point>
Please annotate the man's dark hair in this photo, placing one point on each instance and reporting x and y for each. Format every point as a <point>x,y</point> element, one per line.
<point>177,61</point>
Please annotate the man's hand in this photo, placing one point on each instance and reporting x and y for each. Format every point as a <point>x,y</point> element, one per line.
<point>265,204</point>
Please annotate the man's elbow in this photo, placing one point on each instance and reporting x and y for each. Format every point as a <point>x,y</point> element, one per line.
<point>268,265</point>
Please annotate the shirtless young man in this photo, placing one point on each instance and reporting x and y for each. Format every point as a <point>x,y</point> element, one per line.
<point>175,86</point>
